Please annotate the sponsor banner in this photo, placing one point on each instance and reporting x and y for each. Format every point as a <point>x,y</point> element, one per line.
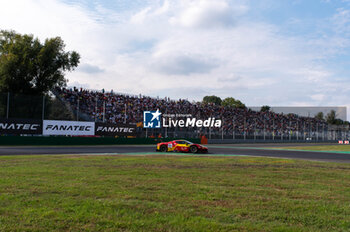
<point>108,129</point>
<point>340,142</point>
<point>54,127</point>
<point>20,126</point>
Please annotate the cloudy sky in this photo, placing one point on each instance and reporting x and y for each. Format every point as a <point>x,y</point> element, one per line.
<point>271,52</point>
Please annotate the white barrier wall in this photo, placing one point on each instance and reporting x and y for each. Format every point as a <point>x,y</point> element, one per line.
<point>55,127</point>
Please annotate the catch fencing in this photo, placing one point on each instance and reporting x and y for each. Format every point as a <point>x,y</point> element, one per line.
<point>18,106</point>
<point>307,133</point>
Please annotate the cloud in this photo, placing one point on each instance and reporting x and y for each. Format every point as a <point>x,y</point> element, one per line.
<point>208,14</point>
<point>341,21</point>
<point>92,69</point>
<point>218,45</point>
<point>183,65</point>
<point>318,97</point>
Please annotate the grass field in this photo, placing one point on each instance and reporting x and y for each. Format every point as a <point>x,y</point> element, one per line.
<point>168,193</point>
<point>341,148</point>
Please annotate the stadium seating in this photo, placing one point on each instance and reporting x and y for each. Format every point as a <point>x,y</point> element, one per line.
<point>118,108</point>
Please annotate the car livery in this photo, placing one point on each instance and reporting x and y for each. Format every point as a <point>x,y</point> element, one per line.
<point>181,146</point>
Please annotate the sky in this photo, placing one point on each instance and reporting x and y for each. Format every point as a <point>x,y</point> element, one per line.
<point>263,52</point>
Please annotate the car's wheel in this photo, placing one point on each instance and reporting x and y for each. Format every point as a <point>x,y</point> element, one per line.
<point>163,148</point>
<point>193,149</point>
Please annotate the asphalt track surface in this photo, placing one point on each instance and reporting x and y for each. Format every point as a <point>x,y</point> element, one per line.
<point>262,150</point>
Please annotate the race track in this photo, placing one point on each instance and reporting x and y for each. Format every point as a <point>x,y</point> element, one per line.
<point>247,150</point>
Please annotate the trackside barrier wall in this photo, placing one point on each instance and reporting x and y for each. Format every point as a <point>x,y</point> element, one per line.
<point>39,140</point>
<point>64,128</point>
<point>241,141</point>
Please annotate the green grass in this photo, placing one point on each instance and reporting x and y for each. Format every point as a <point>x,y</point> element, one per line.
<point>342,148</point>
<point>168,193</point>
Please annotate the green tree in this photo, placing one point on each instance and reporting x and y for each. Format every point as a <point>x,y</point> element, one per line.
<point>265,108</point>
<point>212,99</point>
<point>58,110</point>
<point>28,66</point>
<point>331,117</point>
<point>319,116</point>
<point>231,102</point>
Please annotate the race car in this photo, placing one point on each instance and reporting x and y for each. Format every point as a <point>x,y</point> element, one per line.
<point>181,146</point>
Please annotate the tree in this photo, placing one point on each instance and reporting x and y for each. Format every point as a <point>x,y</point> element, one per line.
<point>319,116</point>
<point>28,66</point>
<point>58,110</point>
<point>331,117</point>
<point>231,102</point>
<point>212,99</point>
<point>265,108</point>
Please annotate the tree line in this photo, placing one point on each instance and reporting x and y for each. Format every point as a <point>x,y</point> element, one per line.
<point>29,70</point>
<point>228,102</point>
<point>330,118</point>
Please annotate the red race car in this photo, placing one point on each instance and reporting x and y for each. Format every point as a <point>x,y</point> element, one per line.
<point>181,146</point>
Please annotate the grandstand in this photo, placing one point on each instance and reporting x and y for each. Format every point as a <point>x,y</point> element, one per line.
<point>241,123</point>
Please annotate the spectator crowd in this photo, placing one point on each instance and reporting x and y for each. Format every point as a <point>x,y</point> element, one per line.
<point>122,108</point>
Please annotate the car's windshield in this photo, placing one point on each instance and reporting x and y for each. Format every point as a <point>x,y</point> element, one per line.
<point>187,142</point>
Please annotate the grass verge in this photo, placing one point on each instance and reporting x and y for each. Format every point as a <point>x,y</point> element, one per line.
<point>339,148</point>
<point>182,193</point>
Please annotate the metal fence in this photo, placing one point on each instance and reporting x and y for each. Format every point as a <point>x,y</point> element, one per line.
<point>310,133</point>
<point>54,108</point>
<point>34,107</point>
